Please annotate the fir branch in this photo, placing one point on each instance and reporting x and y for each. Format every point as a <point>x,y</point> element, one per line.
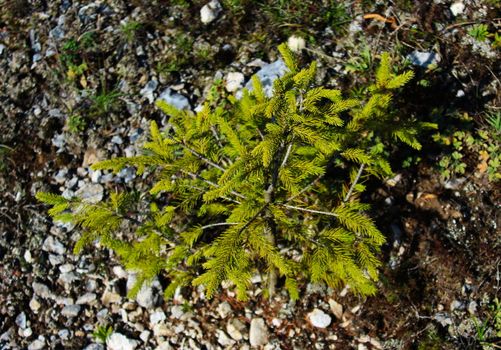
<point>359,173</point>
<point>287,154</point>
<point>214,184</point>
<point>310,210</point>
<point>306,188</point>
<point>219,224</point>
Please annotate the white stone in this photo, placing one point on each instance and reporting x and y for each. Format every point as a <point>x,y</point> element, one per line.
<point>423,59</point>
<point>34,305</point>
<point>42,290</point>
<point>144,336</point>
<point>336,308</point>
<point>210,11</point>
<point>21,320</point>
<point>91,193</point>
<point>268,74</point>
<point>223,339</point>
<point>87,298</point>
<point>177,311</point>
<point>174,99</point>
<point>164,346</point>
<point>258,333</point>
<point>157,317</point>
<point>110,298</point>
<point>71,310</point>
<point>234,81</point>
<point>296,43</point>
<point>27,257</point>
<point>149,89</point>
<point>38,344</point>
<point>118,341</point>
<point>53,245</point>
<point>234,328</point>
<point>319,319</point>
<point>224,309</point>
<point>457,8</point>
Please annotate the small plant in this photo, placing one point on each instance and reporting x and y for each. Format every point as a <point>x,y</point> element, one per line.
<point>480,32</point>
<point>360,63</point>
<point>265,184</point>
<point>489,330</point>
<point>105,101</point>
<point>102,333</point>
<point>484,143</point>
<point>76,123</point>
<point>129,30</point>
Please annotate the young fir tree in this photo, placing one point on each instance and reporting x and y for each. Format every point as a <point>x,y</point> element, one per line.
<point>269,184</point>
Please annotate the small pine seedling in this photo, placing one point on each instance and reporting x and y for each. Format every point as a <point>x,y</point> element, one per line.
<point>265,184</point>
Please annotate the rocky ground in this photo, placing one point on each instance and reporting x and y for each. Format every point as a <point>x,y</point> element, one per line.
<point>77,84</point>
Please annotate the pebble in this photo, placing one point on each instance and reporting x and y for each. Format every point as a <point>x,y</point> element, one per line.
<point>234,328</point>
<point>336,308</point>
<point>268,74</point>
<point>144,297</point>
<point>38,344</point>
<point>296,43</point>
<point>149,89</point>
<point>21,320</point>
<point>177,311</point>
<point>234,81</point>
<point>472,307</point>
<point>210,11</point>
<point>53,245</point>
<point>423,59</point>
<point>71,310</point>
<point>118,341</point>
<point>157,317</point>
<point>457,8</point>
<point>34,305</point>
<point>223,339</point>
<point>258,333</point>
<point>224,309</point>
<point>174,99</point>
<point>87,298</point>
<point>319,319</point>
<point>91,193</point>
<point>164,346</point>
<point>27,257</point>
<point>42,290</point>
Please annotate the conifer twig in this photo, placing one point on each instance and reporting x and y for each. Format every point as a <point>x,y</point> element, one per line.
<point>348,195</point>
<point>214,184</point>
<point>198,155</point>
<point>310,210</point>
<point>306,188</point>
<point>287,154</point>
<point>219,224</point>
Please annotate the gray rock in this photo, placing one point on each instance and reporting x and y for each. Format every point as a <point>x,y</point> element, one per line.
<point>53,245</point>
<point>56,259</point>
<point>258,333</point>
<point>224,309</point>
<point>21,320</point>
<point>87,298</point>
<point>319,319</point>
<point>42,290</point>
<point>223,339</point>
<point>2,47</point>
<point>423,59</point>
<point>71,310</point>
<point>210,11</point>
<point>37,344</point>
<point>234,328</point>
<point>174,99</point>
<point>149,89</point>
<point>118,341</point>
<point>177,311</point>
<point>234,81</point>
<point>268,74</point>
<point>91,193</point>
<point>95,347</point>
<point>157,317</point>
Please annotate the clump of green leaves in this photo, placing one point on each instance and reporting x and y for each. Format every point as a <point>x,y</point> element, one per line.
<point>483,143</point>
<point>129,30</point>
<point>102,333</point>
<point>267,184</point>
<point>76,123</point>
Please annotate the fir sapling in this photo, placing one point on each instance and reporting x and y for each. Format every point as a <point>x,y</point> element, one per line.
<point>265,184</point>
